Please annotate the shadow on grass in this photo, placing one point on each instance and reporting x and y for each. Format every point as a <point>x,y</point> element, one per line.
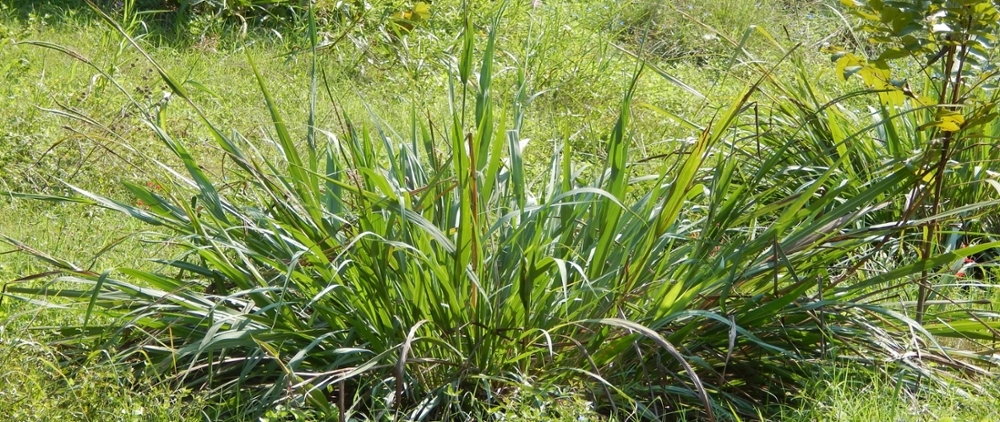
<point>163,17</point>
<point>167,20</point>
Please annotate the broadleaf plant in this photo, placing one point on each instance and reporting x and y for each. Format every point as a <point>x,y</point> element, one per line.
<point>953,44</point>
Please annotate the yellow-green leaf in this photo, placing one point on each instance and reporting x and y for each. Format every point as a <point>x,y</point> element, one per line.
<point>951,121</point>
<point>421,11</point>
<point>848,64</point>
<point>893,97</point>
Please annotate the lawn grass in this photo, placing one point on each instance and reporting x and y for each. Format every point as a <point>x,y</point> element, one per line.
<point>854,393</point>
<point>37,153</point>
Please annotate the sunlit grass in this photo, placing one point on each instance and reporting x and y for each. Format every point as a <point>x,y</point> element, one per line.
<point>592,255</point>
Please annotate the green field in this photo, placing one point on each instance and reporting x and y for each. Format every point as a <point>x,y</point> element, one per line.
<point>510,210</point>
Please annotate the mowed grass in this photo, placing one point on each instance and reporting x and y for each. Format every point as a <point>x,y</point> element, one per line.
<point>37,153</point>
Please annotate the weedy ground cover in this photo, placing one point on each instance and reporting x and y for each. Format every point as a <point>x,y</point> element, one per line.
<point>482,215</point>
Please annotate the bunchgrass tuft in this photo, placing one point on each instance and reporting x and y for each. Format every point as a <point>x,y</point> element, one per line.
<point>415,269</point>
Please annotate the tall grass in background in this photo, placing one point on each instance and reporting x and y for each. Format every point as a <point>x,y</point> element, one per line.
<point>407,266</point>
<point>680,30</point>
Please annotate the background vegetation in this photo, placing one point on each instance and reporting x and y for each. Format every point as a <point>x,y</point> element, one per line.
<point>468,210</point>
